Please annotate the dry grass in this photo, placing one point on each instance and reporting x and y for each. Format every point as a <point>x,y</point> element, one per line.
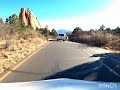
<point>16,45</point>
<point>99,39</point>
<point>8,31</point>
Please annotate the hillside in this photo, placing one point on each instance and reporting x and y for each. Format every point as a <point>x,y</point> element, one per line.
<point>19,38</point>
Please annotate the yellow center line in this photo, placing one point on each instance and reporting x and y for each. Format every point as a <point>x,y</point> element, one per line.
<point>14,68</point>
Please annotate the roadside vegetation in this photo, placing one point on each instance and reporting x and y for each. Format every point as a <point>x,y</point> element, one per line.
<point>17,40</point>
<point>103,37</point>
<point>46,32</point>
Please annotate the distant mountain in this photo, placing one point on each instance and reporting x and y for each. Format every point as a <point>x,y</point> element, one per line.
<point>63,31</point>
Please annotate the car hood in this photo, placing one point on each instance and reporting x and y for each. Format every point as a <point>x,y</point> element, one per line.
<point>60,84</point>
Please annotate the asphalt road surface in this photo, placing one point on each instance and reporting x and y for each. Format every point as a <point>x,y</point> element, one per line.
<point>60,59</point>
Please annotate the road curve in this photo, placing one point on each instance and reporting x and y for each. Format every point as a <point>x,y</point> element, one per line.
<point>60,59</point>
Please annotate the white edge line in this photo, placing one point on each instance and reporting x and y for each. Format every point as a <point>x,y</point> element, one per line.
<point>113,59</point>
<point>105,65</point>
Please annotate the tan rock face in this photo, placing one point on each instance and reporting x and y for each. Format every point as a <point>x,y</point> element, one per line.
<point>29,18</point>
<point>23,15</point>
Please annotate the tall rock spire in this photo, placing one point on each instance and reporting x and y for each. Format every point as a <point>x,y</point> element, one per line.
<point>29,18</point>
<point>23,16</point>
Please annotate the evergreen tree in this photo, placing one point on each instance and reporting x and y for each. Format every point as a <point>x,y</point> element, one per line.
<point>54,33</point>
<point>14,21</point>
<point>77,30</point>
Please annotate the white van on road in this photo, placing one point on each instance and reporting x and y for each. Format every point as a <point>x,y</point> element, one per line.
<point>62,37</point>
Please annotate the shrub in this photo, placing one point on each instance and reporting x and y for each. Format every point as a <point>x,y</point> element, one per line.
<point>114,43</point>
<point>97,38</point>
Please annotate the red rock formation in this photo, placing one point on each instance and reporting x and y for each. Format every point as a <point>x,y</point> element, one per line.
<point>29,18</point>
<point>23,16</point>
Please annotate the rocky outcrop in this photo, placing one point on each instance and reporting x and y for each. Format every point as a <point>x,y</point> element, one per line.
<point>23,16</point>
<point>29,18</point>
<point>32,20</point>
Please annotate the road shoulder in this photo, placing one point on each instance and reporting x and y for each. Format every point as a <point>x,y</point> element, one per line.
<point>14,67</point>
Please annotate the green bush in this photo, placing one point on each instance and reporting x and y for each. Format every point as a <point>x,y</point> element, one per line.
<point>53,33</point>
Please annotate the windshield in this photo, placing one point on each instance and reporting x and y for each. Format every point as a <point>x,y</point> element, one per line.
<point>61,34</point>
<point>32,46</point>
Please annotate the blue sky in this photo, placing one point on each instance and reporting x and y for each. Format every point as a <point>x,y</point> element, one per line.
<point>51,12</point>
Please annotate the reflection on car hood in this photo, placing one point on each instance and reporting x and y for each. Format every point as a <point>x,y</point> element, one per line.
<point>60,84</point>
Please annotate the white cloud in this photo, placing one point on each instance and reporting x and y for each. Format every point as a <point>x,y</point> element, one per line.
<point>110,17</point>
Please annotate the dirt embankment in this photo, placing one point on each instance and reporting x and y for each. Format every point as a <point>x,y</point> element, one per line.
<point>15,50</point>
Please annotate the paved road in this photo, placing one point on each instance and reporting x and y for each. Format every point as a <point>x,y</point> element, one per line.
<point>60,59</point>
